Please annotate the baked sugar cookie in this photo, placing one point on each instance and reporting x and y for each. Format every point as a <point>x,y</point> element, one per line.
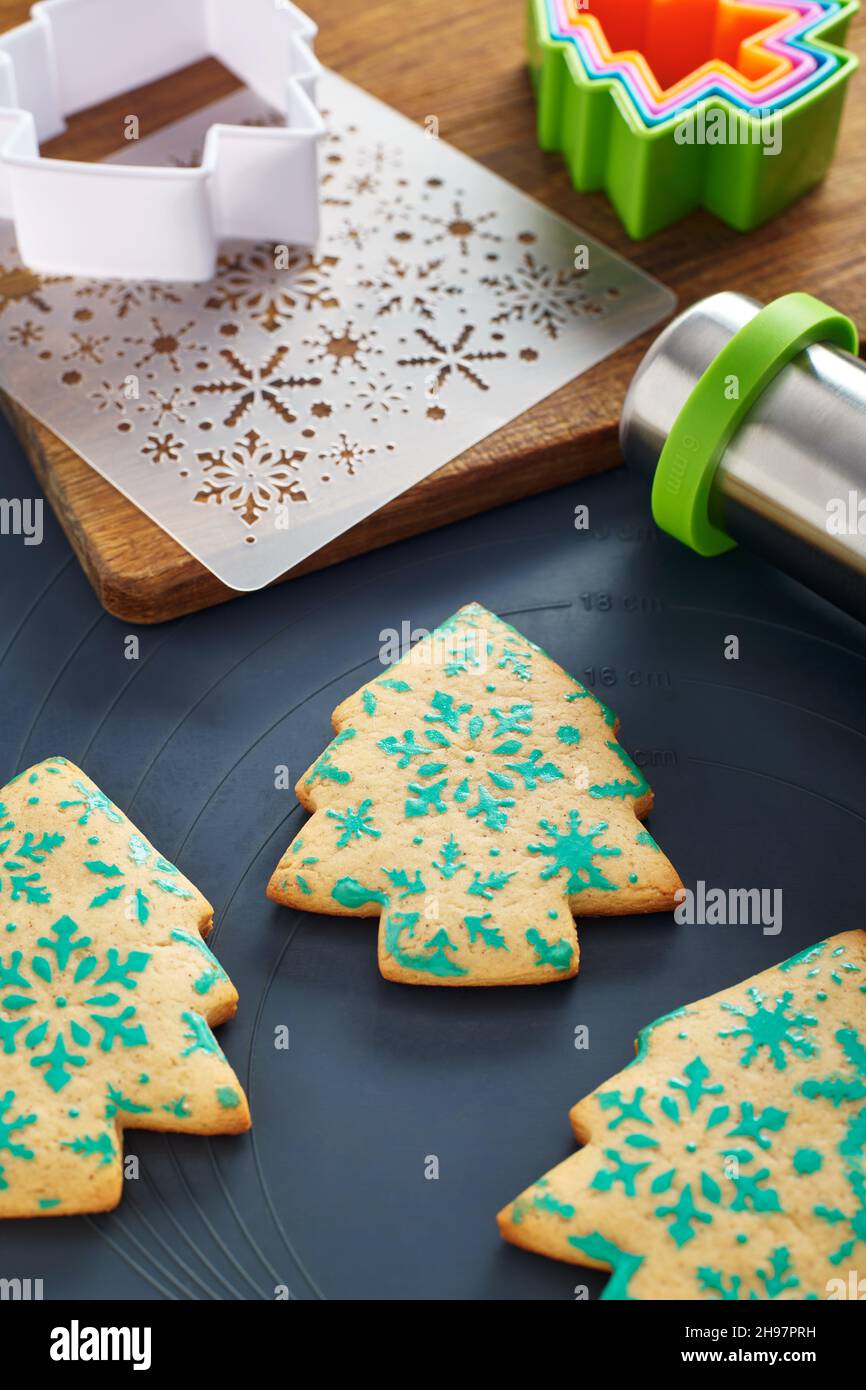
<point>108,994</point>
<point>475,798</point>
<point>728,1161</point>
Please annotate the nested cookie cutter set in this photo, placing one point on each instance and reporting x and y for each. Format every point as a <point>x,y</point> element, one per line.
<point>116,221</point>
<point>617,79</point>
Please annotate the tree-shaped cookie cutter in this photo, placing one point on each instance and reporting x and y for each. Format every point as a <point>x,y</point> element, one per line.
<point>113,220</point>
<point>655,173</point>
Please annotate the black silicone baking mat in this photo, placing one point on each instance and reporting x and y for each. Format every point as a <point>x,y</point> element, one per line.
<point>758,769</point>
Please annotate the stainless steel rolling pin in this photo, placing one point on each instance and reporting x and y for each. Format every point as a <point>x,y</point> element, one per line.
<point>752,423</point>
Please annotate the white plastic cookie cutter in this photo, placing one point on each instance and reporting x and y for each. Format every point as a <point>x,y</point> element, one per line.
<point>135,223</point>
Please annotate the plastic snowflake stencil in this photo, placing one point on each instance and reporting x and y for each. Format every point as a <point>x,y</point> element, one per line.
<point>439,304</point>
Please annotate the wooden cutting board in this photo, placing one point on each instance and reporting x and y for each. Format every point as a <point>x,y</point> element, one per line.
<point>465,65</point>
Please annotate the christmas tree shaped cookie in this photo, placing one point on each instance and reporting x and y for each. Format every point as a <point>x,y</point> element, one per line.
<point>107,997</point>
<point>728,1161</point>
<point>474,798</point>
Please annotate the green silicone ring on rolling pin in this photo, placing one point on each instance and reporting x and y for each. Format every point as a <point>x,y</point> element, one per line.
<point>709,419</point>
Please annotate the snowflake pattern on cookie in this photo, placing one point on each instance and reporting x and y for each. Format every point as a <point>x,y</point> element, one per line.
<point>107,997</point>
<point>475,798</point>
<point>727,1161</point>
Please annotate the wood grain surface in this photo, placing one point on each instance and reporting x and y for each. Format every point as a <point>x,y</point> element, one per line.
<point>442,60</point>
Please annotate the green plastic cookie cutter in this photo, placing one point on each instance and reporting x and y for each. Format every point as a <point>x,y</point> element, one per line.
<point>720,402</point>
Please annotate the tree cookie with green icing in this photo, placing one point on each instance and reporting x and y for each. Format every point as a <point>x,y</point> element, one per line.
<point>475,799</point>
<point>728,1160</point>
<point>108,994</point>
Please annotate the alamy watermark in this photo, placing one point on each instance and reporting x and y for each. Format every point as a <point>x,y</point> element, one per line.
<point>21,1290</point>
<point>846,516</point>
<point>84,1343</point>
<point>853,1288</point>
<point>22,516</point>
<point>467,650</point>
<point>731,907</point>
<point>718,125</point>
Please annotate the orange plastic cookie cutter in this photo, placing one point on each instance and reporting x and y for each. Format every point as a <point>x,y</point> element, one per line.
<point>674,43</point>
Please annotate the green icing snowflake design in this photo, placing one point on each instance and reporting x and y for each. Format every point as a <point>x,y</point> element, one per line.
<point>12,1134</point>
<point>353,824</point>
<point>557,954</point>
<point>851,1221</point>
<point>78,987</point>
<point>646,1129</point>
<point>97,1146</point>
<point>826,967</point>
<point>520,662</point>
<point>94,803</point>
<point>436,954</point>
<point>426,801</point>
<point>451,859</point>
<point>489,885</point>
<point>841,1085</point>
<point>23,858</point>
<point>429,751</point>
<point>433,956</point>
<point>326,769</point>
<point>768,1283</point>
<point>63,976</point>
<point>634,785</point>
<point>403,885</point>
<point>623,1265</point>
<point>212,971</point>
<point>114,884</point>
<point>199,1038</point>
<point>775,1029</point>
<point>697,1153</point>
<point>574,852</point>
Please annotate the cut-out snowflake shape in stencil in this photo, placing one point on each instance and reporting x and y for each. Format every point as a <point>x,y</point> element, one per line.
<point>110,399</point>
<point>354,234</point>
<point>26,334</point>
<point>166,408</point>
<point>461,228</point>
<point>532,293</point>
<point>125,298</point>
<point>343,346</point>
<point>163,448</point>
<point>163,345</point>
<point>252,478</point>
<point>723,1162</point>
<point>373,162</point>
<point>246,387</point>
<point>362,183</point>
<point>250,284</point>
<point>23,286</point>
<point>379,397</point>
<point>86,347</point>
<point>346,454</point>
<point>458,359</point>
<point>104,976</point>
<point>404,287</point>
<point>414,235</point>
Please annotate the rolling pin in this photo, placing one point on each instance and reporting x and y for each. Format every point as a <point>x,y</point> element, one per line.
<point>752,423</point>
